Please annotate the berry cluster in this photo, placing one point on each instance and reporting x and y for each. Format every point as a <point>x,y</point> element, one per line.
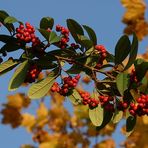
<point>32,74</point>
<point>107,103</point>
<point>122,105</point>
<point>69,83</point>
<point>65,36</point>
<point>74,46</point>
<point>133,77</point>
<point>87,100</point>
<point>103,53</point>
<point>141,107</point>
<point>27,34</point>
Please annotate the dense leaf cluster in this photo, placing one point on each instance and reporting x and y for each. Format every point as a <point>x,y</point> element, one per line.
<point>50,54</point>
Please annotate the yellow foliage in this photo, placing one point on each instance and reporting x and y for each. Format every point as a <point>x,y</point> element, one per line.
<point>11,116</point>
<point>18,101</point>
<point>109,143</point>
<point>134,18</point>
<point>42,115</point>
<point>28,121</point>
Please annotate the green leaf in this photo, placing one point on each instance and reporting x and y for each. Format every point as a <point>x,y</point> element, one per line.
<point>122,82</point>
<point>84,41</point>
<point>41,88</point>
<point>96,115</point>
<point>106,119</point>
<point>44,33</point>
<point>75,29</point>
<point>130,124</point>
<point>141,70</point>
<point>91,33</point>
<point>75,97</point>
<point>89,51</point>
<point>6,38</point>
<point>46,22</point>
<point>7,66</point>
<point>10,20</point>
<point>117,116</point>
<point>53,38</point>
<point>133,52</point>
<point>122,49</point>
<point>10,46</point>
<point>18,76</point>
<point>3,15</point>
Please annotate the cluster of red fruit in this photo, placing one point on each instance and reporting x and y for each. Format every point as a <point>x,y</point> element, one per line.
<point>32,74</point>
<point>27,34</point>
<point>107,103</point>
<point>133,77</point>
<point>122,105</point>
<point>65,36</point>
<point>103,53</point>
<point>88,100</point>
<point>68,84</point>
<point>141,107</point>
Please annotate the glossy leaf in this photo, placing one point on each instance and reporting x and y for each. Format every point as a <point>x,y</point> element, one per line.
<point>106,119</point>
<point>10,20</point>
<point>75,29</point>
<point>53,38</point>
<point>96,115</point>
<point>41,88</point>
<point>122,82</point>
<point>130,124</point>
<point>18,76</point>
<point>84,41</point>
<point>3,15</point>
<point>44,33</point>
<point>133,52</point>
<point>122,49</point>
<point>117,116</point>
<point>75,97</point>
<point>91,33</point>
<point>89,51</point>
<point>46,23</point>
<point>141,70</point>
<point>7,66</point>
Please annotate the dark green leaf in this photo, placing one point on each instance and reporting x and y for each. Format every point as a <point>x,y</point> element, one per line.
<point>106,119</point>
<point>122,49</point>
<point>75,29</point>
<point>75,97</point>
<point>4,15</point>
<point>46,22</point>
<point>84,41</point>
<point>91,33</point>
<point>44,33</point>
<point>41,88</point>
<point>122,82</point>
<point>133,52</point>
<point>141,70</point>
<point>53,38</point>
<point>18,76</point>
<point>9,47</point>
<point>130,124</point>
<point>7,66</point>
<point>96,115</point>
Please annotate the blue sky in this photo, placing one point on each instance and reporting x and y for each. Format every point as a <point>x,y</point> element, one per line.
<point>104,16</point>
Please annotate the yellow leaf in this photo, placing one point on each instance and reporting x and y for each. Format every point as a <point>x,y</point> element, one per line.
<point>50,144</point>
<point>145,119</point>
<point>42,115</point>
<point>28,121</point>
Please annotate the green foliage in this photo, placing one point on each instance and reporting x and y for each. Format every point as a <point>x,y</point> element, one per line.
<point>96,115</point>
<point>46,23</point>
<point>41,88</point>
<point>18,76</point>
